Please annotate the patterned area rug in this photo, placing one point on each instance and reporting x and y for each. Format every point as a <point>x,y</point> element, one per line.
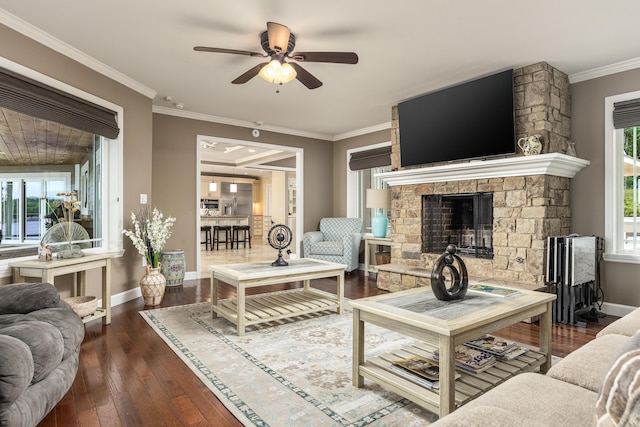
<point>289,372</point>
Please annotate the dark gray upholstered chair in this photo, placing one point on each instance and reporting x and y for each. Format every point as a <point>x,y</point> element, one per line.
<point>40,338</point>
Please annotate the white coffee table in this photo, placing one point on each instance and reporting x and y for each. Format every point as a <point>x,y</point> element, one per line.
<point>243,311</point>
<point>443,325</point>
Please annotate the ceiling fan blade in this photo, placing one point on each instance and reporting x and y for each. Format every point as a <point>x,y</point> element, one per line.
<point>232,51</point>
<point>278,37</point>
<point>333,57</point>
<point>305,77</point>
<point>249,74</point>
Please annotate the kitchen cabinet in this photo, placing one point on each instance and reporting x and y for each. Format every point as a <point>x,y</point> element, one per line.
<point>266,226</point>
<point>292,195</point>
<point>257,226</point>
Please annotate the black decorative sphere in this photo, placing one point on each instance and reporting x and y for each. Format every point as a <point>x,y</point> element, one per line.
<point>459,279</point>
<point>279,238</point>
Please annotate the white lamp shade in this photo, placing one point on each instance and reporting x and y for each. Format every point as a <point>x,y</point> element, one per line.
<point>213,186</point>
<point>378,198</point>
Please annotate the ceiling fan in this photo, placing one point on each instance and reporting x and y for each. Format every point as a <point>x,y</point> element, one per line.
<point>278,43</point>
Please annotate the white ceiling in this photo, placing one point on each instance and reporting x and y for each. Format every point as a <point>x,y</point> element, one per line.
<point>406,48</point>
<point>220,157</point>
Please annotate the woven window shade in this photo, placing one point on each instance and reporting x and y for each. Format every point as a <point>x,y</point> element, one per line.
<point>368,159</point>
<point>626,114</point>
<point>30,97</point>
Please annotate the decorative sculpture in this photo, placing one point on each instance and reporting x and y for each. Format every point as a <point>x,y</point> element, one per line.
<point>279,238</point>
<point>459,279</point>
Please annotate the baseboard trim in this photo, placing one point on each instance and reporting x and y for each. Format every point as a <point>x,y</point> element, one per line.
<point>616,309</point>
<point>134,293</point>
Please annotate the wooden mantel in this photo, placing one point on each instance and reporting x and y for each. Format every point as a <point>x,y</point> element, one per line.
<point>556,164</point>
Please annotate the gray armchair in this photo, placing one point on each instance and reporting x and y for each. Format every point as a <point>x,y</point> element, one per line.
<point>337,241</point>
<point>40,338</point>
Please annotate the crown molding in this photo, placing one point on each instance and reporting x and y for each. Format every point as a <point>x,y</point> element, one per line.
<point>606,70</point>
<point>61,47</point>
<point>556,164</point>
<point>363,131</point>
<point>239,123</point>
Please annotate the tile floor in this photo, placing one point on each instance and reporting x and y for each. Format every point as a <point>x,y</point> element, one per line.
<point>260,251</point>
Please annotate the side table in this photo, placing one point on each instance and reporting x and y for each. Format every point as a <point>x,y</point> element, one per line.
<point>48,270</point>
<point>369,240</point>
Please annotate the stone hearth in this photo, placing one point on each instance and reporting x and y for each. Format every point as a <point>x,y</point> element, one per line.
<point>531,195</point>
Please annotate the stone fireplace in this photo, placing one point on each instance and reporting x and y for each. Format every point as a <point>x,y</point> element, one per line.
<point>529,196</point>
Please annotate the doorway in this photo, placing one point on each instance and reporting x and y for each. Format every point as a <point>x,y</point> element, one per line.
<point>276,172</point>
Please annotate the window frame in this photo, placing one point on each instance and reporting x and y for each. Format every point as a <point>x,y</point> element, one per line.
<point>614,187</point>
<point>356,187</point>
<point>112,175</point>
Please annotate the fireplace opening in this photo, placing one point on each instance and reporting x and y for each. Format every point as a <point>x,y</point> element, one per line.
<point>465,220</point>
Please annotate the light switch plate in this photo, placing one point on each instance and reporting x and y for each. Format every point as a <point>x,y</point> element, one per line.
<point>143,199</point>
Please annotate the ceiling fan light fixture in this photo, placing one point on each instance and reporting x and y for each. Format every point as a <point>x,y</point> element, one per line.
<point>278,36</point>
<point>277,72</point>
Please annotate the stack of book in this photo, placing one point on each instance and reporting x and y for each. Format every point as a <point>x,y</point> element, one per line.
<point>418,370</point>
<point>471,359</point>
<point>502,349</point>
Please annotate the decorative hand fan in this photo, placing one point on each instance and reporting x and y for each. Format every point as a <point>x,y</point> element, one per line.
<point>279,238</point>
<point>62,232</point>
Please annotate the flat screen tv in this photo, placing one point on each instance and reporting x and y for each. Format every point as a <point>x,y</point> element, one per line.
<point>467,121</point>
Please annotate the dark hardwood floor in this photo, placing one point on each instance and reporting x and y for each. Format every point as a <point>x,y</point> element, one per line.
<point>129,377</point>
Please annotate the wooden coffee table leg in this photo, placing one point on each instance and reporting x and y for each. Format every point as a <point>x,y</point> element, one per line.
<point>241,309</point>
<point>545,337</point>
<point>447,375</point>
<point>358,348</point>
<point>214,295</point>
<point>340,292</point>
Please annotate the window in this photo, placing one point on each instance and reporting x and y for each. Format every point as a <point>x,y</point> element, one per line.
<point>361,179</point>
<point>622,178</point>
<point>30,188</point>
<point>32,198</point>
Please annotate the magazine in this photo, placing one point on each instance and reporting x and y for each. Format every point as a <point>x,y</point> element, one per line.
<point>491,344</point>
<point>518,351</point>
<point>419,366</point>
<point>432,385</point>
<point>491,290</point>
<point>471,359</point>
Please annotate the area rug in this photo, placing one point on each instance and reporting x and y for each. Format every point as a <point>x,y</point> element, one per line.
<point>294,372</point>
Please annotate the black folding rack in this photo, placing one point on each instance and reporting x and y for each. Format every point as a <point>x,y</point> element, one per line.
<point>573,274</point>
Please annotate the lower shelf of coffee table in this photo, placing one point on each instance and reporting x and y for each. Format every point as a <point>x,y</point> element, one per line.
<point>280,305</point>
<point>467,387</point>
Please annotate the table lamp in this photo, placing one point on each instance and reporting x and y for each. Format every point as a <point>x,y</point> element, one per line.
<point>379,199</point>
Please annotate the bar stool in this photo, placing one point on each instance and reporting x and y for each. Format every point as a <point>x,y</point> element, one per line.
<point>217,232</point>
<point>246,236</point>
<point>207,237</point>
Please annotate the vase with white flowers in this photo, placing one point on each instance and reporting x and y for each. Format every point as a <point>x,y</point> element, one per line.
<point>149,234</point>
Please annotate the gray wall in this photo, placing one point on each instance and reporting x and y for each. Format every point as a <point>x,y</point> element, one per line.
<point>175,160</point>
<point>138,175</point>
<point>619,280</point>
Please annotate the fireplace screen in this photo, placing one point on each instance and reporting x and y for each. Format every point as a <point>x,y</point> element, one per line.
<point>465,220</point>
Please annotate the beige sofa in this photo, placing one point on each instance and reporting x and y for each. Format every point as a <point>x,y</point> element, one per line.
<point>597,384</point>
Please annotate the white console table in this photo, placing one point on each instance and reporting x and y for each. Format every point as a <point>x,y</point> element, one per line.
<point>48,270</point>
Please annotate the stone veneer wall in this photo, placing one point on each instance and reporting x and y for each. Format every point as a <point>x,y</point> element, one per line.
<point>526,209</point>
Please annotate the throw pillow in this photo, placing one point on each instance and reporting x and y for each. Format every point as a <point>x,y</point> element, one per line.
<point>618,401</point>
